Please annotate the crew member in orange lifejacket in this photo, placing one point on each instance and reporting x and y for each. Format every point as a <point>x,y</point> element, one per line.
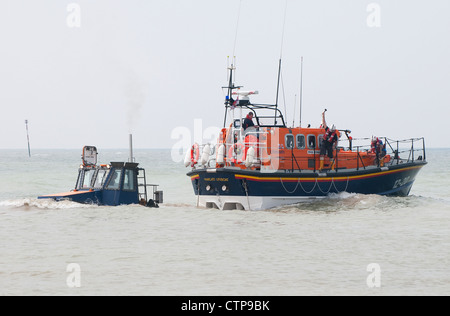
<point>379,150</point>
<point>330,138</point>
<point>248,121</point>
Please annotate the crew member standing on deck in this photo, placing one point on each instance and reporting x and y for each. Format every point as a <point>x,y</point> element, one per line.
<point>330,139</point>
<point>248,121</point>
<point>379,150</point>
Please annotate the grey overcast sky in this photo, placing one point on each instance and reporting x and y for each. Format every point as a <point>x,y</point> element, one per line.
<point>150,66</point>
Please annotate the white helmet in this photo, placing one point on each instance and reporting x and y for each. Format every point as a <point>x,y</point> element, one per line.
<point>333,127</point>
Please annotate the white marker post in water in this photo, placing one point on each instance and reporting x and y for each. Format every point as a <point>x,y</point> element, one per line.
<point>28,138</point>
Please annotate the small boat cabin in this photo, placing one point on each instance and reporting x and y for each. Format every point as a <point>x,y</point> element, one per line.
<point>113,184</point>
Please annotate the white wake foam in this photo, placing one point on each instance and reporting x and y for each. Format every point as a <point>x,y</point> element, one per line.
<point>41,204</point>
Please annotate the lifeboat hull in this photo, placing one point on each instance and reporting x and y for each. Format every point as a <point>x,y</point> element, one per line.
<point>229,188</point>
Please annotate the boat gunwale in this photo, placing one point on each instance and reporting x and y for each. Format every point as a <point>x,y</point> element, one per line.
<point>340,174</point>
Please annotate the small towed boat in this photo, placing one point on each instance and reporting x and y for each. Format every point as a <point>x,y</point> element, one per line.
<point>271,164</point>
<point>112,184</point>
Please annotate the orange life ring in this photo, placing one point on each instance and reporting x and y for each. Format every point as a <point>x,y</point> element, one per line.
<point>239,149</point>
<point>195,153</point>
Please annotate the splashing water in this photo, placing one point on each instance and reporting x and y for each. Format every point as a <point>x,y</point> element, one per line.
<point>29,204</point>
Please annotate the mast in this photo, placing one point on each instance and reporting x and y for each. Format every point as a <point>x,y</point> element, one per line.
<point>229,99</point>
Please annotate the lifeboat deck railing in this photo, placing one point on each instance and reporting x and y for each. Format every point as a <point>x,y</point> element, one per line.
<point>410,146</point>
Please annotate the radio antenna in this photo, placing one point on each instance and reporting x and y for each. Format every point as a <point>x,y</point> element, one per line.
<point>278,89</point>
<point>282,34</point>
<point>237,27</point>
<point>293,116</point>
<point>279,64</point>
<point>301,89</point>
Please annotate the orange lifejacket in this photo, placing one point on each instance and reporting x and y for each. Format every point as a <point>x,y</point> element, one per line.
<point>330,136</point>
<point>195,153</point>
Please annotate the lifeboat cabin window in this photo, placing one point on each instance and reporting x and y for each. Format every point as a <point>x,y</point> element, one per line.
<point>301,141</point>
<point>79,180</point>
<point>311,141</point>
<point>128,181</point>
<point>100,179</point>
<point>320,140</point>
<point>114,181</point>
<point>289,141</point>
<point>87,178</point>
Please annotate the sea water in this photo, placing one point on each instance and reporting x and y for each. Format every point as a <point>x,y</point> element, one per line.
<point>346,244</point>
